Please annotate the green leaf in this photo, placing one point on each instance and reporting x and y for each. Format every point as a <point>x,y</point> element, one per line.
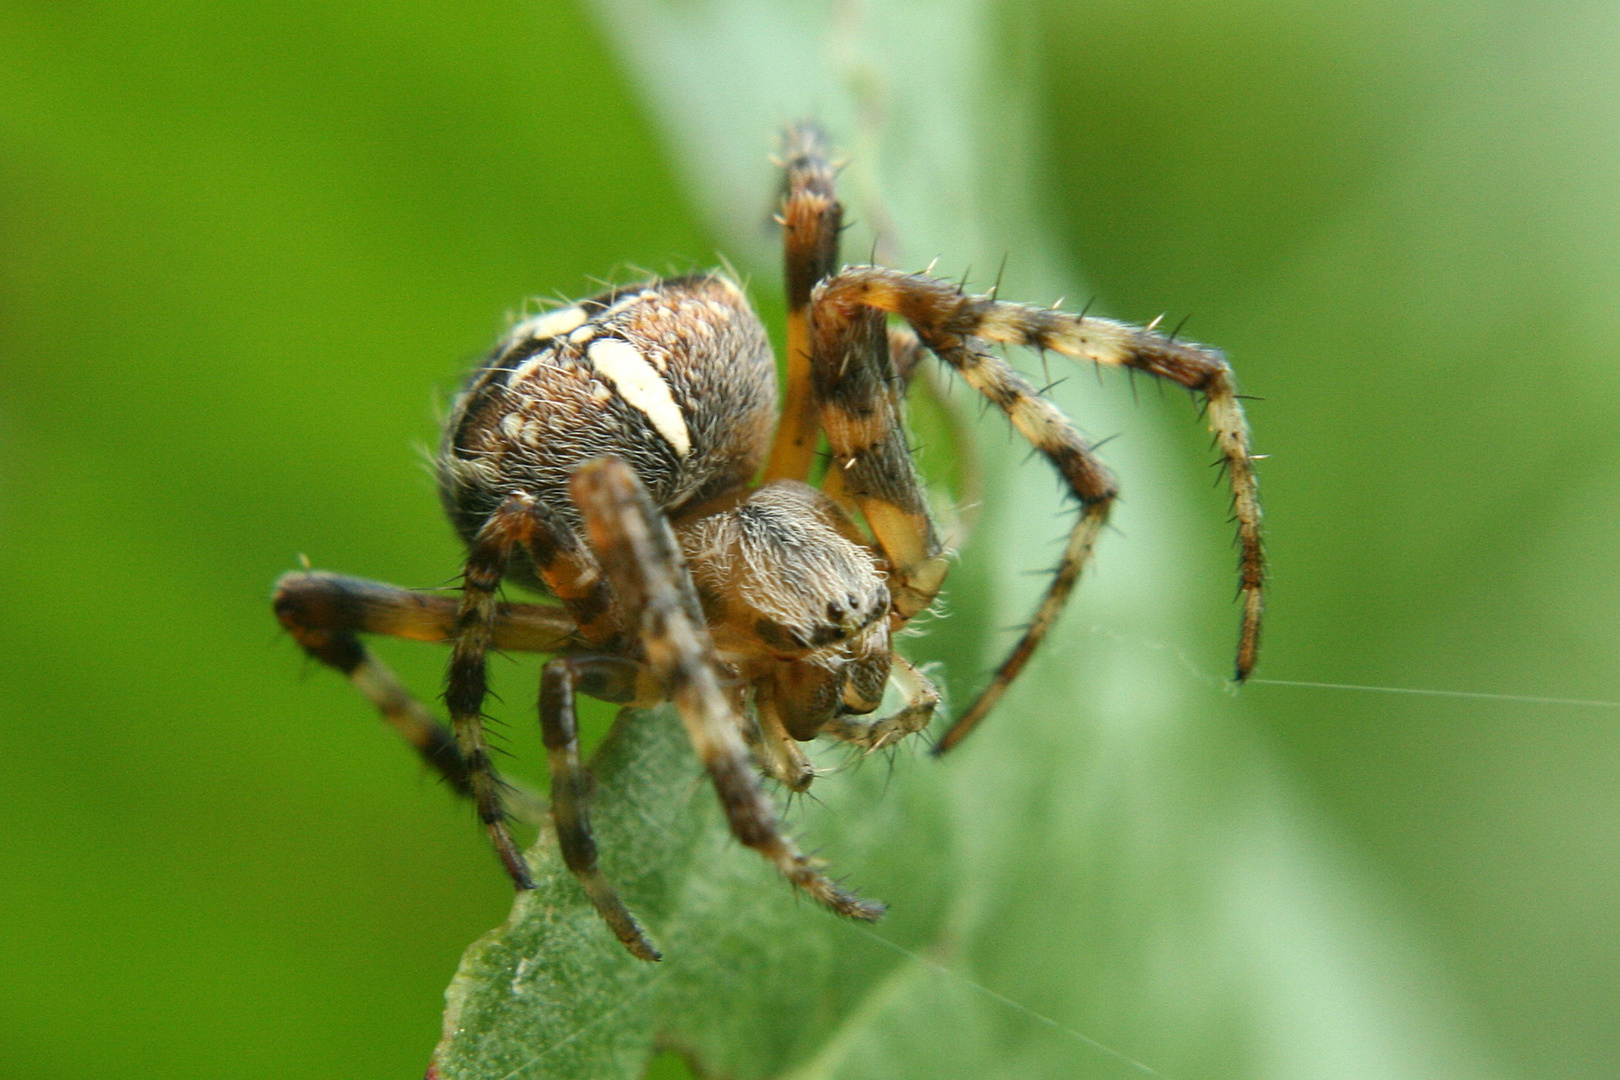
<point>1111,878</point>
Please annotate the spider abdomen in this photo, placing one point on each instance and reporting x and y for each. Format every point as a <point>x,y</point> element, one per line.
<point>674,376</point>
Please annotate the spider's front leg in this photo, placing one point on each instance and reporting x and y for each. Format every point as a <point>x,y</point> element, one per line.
<point>640,557</point>
<point>850,366</point>
<point>949,321</point>
<point>854,380</point>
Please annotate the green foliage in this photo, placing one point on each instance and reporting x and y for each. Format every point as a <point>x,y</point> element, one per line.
<point>753,978</point>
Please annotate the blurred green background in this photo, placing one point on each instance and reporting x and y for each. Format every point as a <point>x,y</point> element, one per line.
<point>241,245</point>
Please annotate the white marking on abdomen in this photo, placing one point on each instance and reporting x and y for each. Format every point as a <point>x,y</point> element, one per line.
<point>639,383</point>
<point>549,324</point>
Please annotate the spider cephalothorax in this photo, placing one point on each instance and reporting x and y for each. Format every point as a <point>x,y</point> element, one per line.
<point>617,454</point>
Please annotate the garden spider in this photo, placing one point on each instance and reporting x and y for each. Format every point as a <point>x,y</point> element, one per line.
<point>607,453</point>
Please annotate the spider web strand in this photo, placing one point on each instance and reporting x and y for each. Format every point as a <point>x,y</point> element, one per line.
<point>1475,695</point>
<point>1041,1018</point>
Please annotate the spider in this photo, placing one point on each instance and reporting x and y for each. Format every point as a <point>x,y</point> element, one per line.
<point>617,454</point>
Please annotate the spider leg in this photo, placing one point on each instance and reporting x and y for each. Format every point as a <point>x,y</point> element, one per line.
<point>643,563</point>
<point>855,385</point>
<point>922,698</point>
<point>948,321</point>
<point>309,601</point>
<point>325,613</point>
<point>1045,426</point>
<point>513,525</point>
<point>811,218</point>
<point>853,378</point>
<point>572,578</point>
<point>341,649</point>
<point>905,353</point>
<point>611,678</point>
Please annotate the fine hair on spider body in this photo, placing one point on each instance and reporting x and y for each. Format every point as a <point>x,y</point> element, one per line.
<point>617,455</point>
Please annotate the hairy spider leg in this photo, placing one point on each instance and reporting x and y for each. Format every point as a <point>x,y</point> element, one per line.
<point>894,375</point>
<point>520,523</point>
<point>846,298</point>
<point>325,612</point>
<point>948,320</point>
<point>307,601</point>
<point>512,526</point>
<point>612,679</point>
<point>853,378</point>
<point>640,558</point>
<point>811,218</point>
<point>1050,432</point>
<point>572,578</point>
